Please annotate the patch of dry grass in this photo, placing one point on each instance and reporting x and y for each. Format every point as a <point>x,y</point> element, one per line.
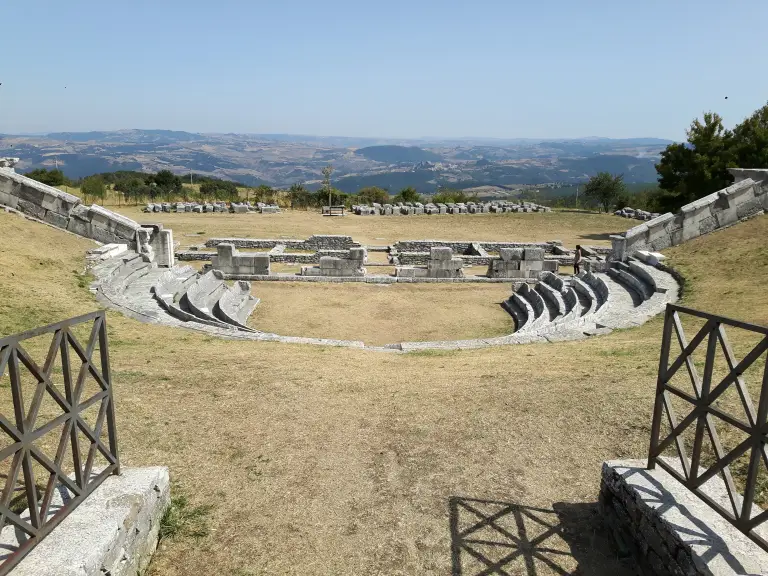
<point>382,313</point>
<point>338,461</point>
<point>570,227</point>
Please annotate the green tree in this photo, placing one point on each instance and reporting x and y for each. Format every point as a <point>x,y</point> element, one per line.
<point>93,187</point>
<point>699,167</point>
<point>750,141</point>
<point>372,194</point>
<point>265,193</point>
<point>219,190</point>
<point>49,177</point>
<point>605,189</point>
<point>299,196</point>
<point>167,182</point>
<point>408,194</point>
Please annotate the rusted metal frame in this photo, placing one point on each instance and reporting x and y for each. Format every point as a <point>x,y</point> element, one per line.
<point>758,445</point>
<point>106,373</point>
<point>70,394</point>
<point>24,451</point>
<point>724,512</point>
<point>757,426</point>
<point>15,338</point>
<point>705,421</point>
<point>741,387</point>
<point>43,381</point>
<point>10,485</point>
<point>51,486</point>
<point>688,350</point>
<point>702,393</point>
<point>746,362</point>
<point>715,411</point>
<point>659,401</point>
<point>721,319</point>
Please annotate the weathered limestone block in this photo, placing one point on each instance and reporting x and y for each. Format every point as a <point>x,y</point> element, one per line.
<point>511,254</point>
<point>533,254</point>
<point>114,531</point>
<point>229,261</point>
<point>669,529</point>
<point>441,253</point>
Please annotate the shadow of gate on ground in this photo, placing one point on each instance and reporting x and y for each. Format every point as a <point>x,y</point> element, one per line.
<point>494,537</point>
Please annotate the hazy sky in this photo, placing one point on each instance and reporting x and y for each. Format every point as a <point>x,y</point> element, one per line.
<point>504,68</point>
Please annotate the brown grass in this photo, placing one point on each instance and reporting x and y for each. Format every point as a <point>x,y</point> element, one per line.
<point>569,227</point>
<point>382,313</point>
<point>338,461</point>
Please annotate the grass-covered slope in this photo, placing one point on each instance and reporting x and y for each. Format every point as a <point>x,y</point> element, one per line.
<point>336,461</point>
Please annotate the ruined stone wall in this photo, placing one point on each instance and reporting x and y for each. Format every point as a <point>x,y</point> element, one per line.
<point>67,212</point>
<point>460,247</point>
<point>744,199</point>
<point>314,242</point>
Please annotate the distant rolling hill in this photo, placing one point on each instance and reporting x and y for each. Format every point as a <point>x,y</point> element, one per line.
<point>398,154</point>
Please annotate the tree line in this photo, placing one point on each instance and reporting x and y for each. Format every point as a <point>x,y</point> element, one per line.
<point>692,169</point>
<point>133,187</point>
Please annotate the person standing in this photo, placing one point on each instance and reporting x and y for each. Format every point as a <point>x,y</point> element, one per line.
<point>577,260</point>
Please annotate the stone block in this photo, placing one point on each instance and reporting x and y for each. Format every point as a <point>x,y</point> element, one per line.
<point>357,254</point>
<point>112,222</point>
<point>441,253</point>
<point>511,254</point>
<point>56,219</point>
<point>529,265</point>
<point>114,531</point>
<point>534,254</point>
<point>31,208</point>
<point>9,200</point>
<point>676,531</point>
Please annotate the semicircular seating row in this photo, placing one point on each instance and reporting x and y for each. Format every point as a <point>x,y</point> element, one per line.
<point>181,292</point>
<point>587,304</point>
<point>556,308</point>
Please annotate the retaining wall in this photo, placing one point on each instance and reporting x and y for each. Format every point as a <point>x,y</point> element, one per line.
<point>744,199</point>
<point>66,211</point>
<point>669,529</point>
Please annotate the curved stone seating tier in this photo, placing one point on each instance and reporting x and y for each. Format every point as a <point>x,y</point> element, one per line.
<point>197,298</point>
<point>556,308</point>
<point>585,294</point>
<point>236,304</point>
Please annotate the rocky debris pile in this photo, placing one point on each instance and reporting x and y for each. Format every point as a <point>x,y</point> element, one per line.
<point>628,212</point>
<point>198,208</point>
<point>409,208</point>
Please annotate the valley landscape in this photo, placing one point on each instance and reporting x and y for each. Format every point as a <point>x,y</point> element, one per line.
<point>282,160</point>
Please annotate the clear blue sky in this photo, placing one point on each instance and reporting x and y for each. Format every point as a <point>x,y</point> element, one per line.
<point>503,68</point>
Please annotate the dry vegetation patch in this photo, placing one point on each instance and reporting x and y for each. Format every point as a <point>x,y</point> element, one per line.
<point>337,461</point>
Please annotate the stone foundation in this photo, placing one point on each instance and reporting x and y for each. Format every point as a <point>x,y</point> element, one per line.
<point>229,261</point>
<point>669,529</point>
<point>332,266</point>
<point>114,531</point>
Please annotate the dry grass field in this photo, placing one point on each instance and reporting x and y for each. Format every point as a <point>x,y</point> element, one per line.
<point>570,227</point>
<point>382,313</point>
<point>336,461</point>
